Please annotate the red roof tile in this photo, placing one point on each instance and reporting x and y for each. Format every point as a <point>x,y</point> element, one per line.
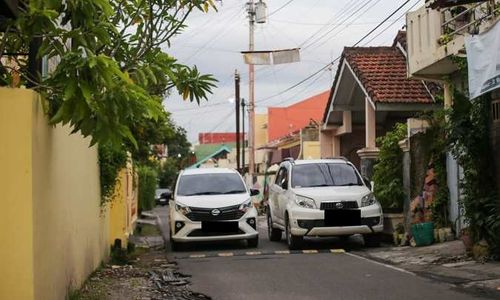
<point>382,72</point>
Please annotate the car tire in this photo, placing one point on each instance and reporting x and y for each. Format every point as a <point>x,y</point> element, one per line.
<point>372,240</point>
<point>294,242</point>
<point>273,233</point>
<point>253,243</point>
<point>174,246</point>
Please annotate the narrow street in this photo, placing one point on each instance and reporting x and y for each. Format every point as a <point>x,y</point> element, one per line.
<point>326,269</point>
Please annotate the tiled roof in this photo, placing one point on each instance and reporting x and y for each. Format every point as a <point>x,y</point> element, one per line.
<point>382,72</point>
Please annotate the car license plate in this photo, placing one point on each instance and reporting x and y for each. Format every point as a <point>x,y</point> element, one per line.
<point>223,227</point>
<point>342,217</point>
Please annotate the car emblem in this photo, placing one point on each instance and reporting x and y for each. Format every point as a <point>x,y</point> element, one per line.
<point>339,205</point>
<point>215,212</point>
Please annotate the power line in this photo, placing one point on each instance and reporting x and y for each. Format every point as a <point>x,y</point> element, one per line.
<point>337,58</point>
<point>279,8</point>
<point>347,25</point>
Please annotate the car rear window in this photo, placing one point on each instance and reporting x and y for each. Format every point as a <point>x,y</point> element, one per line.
<point>210,184</point>
<point>326,174</point>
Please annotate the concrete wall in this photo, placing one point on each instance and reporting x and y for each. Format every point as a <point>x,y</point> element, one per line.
<point>311,150</point>
<point>123,207</point>
<point>53,229</point>
<point>260,130</point>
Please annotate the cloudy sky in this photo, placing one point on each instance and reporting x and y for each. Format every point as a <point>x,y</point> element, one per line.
<point>321,28</point>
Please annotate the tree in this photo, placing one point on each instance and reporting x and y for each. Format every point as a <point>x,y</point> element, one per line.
<point>111,71</point>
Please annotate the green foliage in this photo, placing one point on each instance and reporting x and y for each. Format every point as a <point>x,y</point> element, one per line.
<point>168,173</point>
<point>147,187</point>
<point>111,160</point>
<point>437,143</point>
<point>388,172</point>
<point>469,140</point>
<point>111,71</point>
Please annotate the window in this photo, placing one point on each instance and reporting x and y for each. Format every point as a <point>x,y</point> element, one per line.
<point>282,176</point>
<point>331,174</point>
<point>495,110</point>
<point>211,184</point>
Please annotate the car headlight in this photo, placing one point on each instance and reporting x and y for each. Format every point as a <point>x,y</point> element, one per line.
<point>183,209</point>
<point>368,200</point>
<point>245,206</point>
<point>305,202</point>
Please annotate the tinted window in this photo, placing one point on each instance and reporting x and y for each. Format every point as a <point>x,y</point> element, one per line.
<point>311,175</point>
<point>210,184</point>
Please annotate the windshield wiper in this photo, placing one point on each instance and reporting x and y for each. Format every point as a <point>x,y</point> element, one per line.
<point>318,185</point>
<point>348,184</point>
<point>234,192</point>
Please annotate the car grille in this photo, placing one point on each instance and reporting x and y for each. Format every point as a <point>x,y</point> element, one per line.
<point>205,214</point>
<point>333,205</point>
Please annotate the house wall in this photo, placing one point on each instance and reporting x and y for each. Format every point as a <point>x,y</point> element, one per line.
<point>16,223</point>
<point>311,150</point>
<point>54,230</point>
<point>351,143</point>
<point>261,135</point>
<point>123,207</point>
<point>285,120</point>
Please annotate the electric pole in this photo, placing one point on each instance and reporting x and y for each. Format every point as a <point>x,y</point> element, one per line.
<point>243,104</point>
<point>237,110</point>
<point>251,93</point>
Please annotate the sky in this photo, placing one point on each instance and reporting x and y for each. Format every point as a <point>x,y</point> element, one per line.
<point>321,28</point>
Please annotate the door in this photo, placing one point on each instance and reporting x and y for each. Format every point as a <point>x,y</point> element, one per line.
<point>274,193</point>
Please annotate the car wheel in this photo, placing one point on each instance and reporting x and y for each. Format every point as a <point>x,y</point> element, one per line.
<point>253,243</point>
<point>273,233</point>
<point>372,240</point>
<point>294,242</point>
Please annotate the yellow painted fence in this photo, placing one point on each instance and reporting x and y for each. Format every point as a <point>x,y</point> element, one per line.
<point>53,230</point>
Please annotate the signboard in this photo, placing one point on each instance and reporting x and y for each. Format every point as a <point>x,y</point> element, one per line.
<point>483,58</point>
<point>271,57</point>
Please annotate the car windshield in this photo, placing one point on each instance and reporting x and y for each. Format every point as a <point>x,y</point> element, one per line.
<point>324,174</point>
<point>210,184</point>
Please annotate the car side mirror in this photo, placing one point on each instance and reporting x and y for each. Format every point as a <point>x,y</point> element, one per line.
<point>284,185</point>
<point>254,192</point>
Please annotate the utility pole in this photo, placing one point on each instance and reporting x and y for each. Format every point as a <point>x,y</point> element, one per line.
<point>243,104</point>
<point>251,93</point>
<point>237,110</point>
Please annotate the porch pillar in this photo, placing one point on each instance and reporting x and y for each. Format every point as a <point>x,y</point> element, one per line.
<point>336,146</point>
<point>325,141</point>
<point>369,154</point>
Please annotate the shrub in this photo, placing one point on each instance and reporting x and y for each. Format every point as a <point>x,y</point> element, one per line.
<point>388,172</point>
<point>147,186</point>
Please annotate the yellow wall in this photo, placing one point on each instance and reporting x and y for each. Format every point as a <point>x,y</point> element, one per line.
<point>56,232</point>
<point>16,226</point>
<point>123,208</point>
<point>311,150</point>
<point>261,137</point>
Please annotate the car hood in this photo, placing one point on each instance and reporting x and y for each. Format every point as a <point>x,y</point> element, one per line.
<point>212,201</point>
<point>334,193</point>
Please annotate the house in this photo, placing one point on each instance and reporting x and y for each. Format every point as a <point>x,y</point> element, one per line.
<point>370,93</point>
<point>436,33</point>
<point>293,131</point>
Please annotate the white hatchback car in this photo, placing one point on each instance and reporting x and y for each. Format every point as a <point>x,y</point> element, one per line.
<point>326,197</point>
<point>211,204</point>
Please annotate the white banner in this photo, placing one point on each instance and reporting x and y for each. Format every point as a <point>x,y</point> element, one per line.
<point>271,57</point>
<point>483,59</point>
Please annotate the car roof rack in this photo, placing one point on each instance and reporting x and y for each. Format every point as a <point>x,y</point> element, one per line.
<point>289,159</point>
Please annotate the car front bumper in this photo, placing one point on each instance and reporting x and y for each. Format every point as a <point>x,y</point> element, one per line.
<point>192,231</point>
<point>311,222</point>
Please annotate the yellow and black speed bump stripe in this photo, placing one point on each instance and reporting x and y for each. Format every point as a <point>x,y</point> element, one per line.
<point>259,253</point>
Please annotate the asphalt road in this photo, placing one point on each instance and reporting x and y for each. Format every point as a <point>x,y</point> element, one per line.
<point>326,269</point>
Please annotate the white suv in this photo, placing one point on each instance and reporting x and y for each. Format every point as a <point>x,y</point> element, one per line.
<point>212,204</point>
<point>326,197</point>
